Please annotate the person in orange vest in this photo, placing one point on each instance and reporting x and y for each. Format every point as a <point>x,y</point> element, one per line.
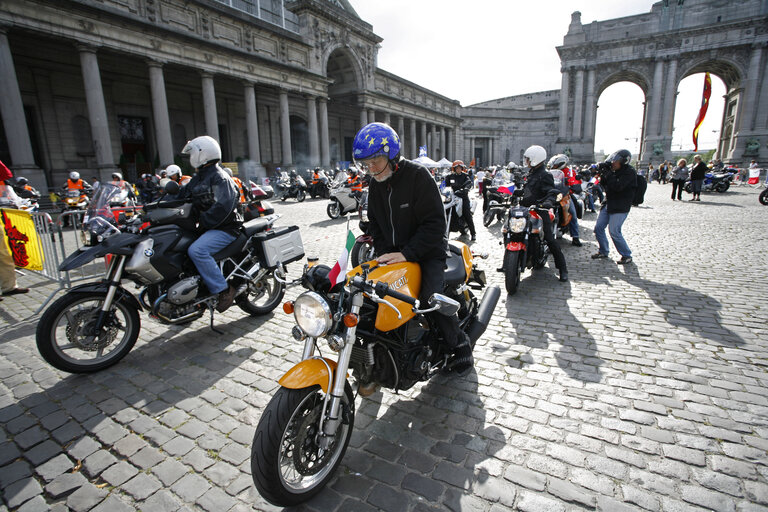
<point>24,189</point>
<point>75,183</point>
<point>244,193</point>
<point>354,182</point>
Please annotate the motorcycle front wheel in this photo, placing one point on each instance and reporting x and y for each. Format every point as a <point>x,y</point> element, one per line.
<point>67,339</point>
<point>334,210</point>
<point>287,464</point>
<point>721,187</point>
<point>763,198</point>
<point>262,296</point>
<point>488,217</point>
<point>361,252</point>
<point>511,271</point>
<point>301,195</point>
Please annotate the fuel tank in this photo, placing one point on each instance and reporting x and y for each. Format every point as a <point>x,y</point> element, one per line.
<point>402,277</point>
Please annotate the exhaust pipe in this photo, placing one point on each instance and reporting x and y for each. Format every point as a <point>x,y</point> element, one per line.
<point>484,312</point>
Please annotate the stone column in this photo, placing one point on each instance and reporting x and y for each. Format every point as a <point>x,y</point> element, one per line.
<point>401,134</point>
<point>14,120</point>
<point>578,104</point>
<point>432,150</point>
<point>670,98</point>
<point>160,113</point>
<point>252,130</point>
<point>442,142</point>
<point>471,149</point>
<point>97,110</point>
<point>363,117</point>
<point>413,145</point>
<point>209,106</point>
<point>654,123</point>
<point>565,84</point>
<point>589,113</point>
<point>761,123</point>
<point>748,103</point>
<point>314,138</point>
<point>325,152</point>
<point>449,150</point>
<point>285,128</point>
<point>490,151</point>
<point>387,118</point>
<point>371,115</point>
<point>423,136</point>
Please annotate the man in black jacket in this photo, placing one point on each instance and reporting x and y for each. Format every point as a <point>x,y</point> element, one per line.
<point>461,183</point>
<point>215,199</point>
<point>407,223</point>
<point>540,190</point>
<point>619,181</point>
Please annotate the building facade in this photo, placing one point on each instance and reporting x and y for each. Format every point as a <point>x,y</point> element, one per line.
<point>100,85</point>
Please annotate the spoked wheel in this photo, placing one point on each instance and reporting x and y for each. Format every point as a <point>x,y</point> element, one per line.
<point>361,252</point>
<point>68,339</point>
<point>301,196</point>
<point>262,296</point>
<point>288,464</point>
<point>334,210</point>
<point>511,271</point>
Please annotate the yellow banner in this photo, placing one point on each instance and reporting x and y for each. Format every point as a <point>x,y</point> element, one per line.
<point>21,239</point>
<point>232,167</point>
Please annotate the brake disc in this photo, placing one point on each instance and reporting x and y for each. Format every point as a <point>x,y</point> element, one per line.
<point>79,331</point>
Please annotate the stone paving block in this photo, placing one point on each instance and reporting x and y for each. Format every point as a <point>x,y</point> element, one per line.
<point>14,471</point>
<point>129,445</point>
<point>141,486</point>
<point>571,493</point>
<point>532,502</point>
<point>147,457</point>
<point>21,491</point>
<point>86,497</point>
<point>42,452</point>
<point>54,467</point>
<point>178,446</point>
<point>98,461</point>
<point>199,459</point>
<point>526,478</point>
<point>36,504</point>
<point>8,452</point>
<point>169,471</point>
<point>161,501</point>
<point>30,437</point>
<point>119,473</point>
<point>707,499</point>
<point>192,429</point>
<point>190,487</point>
<point>64,484</point>
<point>215,500</point>
<point>69,431</point>
<point>423,486</point>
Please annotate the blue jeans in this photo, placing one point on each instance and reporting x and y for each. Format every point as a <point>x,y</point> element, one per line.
<point>202,250</point>
<point>573,226</point>
<point>613,221</point>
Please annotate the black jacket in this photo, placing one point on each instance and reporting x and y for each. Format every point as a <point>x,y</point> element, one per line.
<point>539,188</point>
<point>460,183</point>
<point>215,198</point>
<point>619,187</point>
<point>699,171</point>
<point>406,214</point>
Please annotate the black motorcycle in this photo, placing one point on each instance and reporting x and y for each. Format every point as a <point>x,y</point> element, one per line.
<point>320,187</point>
<point>523,240</point>
<point>763,198</point>
<point>96,324</point>
<point>291,186</point>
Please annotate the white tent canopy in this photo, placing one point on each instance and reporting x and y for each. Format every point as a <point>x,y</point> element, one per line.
<point>426,162</point>
<point>444,162</point>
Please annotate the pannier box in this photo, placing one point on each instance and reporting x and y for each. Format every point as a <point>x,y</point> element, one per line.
<point>282,244</point>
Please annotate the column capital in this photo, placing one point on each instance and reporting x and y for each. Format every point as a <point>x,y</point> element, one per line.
<point>5,27</point>
<point>206,74</point>
<point>86,47</point>
<point>248,83</point>
<point>322,99</point>
<point>152,63</point>
<point>309,96</point>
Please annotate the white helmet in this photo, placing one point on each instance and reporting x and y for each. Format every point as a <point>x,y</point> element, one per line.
<point>558,161</point>
<point>535,155</point>
<point>173,170</point>
<point>74,175</point>
<point>202,150</point>
<point>117,176</point>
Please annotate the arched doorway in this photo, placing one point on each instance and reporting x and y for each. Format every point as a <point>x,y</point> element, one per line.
<point>619,119</point>
<point>344,103</point>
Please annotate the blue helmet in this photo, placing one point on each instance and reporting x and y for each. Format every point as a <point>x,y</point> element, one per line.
<point>376,139</point>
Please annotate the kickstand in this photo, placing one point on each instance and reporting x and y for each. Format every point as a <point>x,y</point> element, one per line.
<point>210,308</point>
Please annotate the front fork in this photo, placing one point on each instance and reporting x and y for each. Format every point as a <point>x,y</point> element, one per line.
<point>114,274</point>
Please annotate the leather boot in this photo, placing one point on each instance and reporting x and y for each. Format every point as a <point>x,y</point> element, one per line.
<point>225,299</point>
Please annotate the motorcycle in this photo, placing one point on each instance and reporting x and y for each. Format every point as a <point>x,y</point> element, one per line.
<point>291,187</point>
<point>763,198</point>
<point>124,198</point>
<point>96,324</point>
<point>717,182</point>
<point>562,209</point>
<point>343,200</point>
<point>258,206</point>
<point>500,193</point>
<point>381,336</point>
<point>74,200</point>
<point>320,187</point>
<point>453,205</point>
<point>523,241</point>
<point>362,251</point>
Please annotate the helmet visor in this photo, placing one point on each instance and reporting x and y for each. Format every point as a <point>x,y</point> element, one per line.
<point>372,165</point>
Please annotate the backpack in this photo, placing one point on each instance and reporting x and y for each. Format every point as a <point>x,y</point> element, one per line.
<point>640,190</point>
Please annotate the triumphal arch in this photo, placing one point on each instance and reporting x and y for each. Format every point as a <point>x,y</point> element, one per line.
<point>657,50</point>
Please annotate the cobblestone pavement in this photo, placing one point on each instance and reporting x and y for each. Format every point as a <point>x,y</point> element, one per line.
<point>639,387</point>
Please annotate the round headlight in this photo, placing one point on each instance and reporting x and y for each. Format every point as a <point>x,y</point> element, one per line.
<point>517,225</point>
<point>312,314</point>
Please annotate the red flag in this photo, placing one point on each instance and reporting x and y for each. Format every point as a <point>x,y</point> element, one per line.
<point>5,173</point>
<point>703,110</point>
<point>472,163</point>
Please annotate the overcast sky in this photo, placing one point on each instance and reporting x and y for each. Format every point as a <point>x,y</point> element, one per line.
<point>487,49</point>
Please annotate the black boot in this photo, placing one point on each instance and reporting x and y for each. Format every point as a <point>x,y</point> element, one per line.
<point>461,362</point>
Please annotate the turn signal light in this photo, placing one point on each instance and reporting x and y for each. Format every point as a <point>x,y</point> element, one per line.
<point>350,320</point>
<point>288,307</point>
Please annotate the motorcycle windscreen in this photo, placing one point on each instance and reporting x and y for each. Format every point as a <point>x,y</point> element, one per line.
<point>401,277</point>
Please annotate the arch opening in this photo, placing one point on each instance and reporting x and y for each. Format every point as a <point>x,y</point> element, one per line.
<point>714,133</point>
<point>343,103</point>
<point>619,119</point>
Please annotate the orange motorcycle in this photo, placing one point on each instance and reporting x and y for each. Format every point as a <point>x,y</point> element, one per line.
<point>378,335</point>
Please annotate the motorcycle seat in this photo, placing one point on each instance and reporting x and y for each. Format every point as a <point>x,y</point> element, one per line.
<point>235,247</point>
<point>254,226</point>
<point>454,273</point>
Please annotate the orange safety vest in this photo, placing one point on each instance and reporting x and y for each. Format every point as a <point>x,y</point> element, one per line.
<point>240,188</point>
<point>355,184</point>
<point>78,185</point>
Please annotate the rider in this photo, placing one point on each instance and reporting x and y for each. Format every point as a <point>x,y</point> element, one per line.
<point>407,223</point>
<point>173,171</point>
<point>574,183</point>
<point>215,199</point>
<point>354,182</point>
<point>460,182</point>
<point>242,191</point>
<point>316,181</point>
<point>540,190</point>
<point>24,189</point>
<point>74,182</point>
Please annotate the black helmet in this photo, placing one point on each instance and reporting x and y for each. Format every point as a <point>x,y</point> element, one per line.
<point>21,181</point>
<point>316,278</point>
<point>623,156</point>
<point>293,173</point>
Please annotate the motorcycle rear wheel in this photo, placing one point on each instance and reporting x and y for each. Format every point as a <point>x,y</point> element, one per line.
<point>488,217</point>
<point>721,187</point>
<point>287,465</point>
<point>511,271</point>
<point>63,333</point>
<point>301,196</point>
<point>763,198</point>
<point>262,296</point>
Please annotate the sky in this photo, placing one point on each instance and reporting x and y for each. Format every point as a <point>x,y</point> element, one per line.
<point>487,49</point>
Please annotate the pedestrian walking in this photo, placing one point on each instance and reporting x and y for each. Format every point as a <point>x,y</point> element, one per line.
<point>678,177</point>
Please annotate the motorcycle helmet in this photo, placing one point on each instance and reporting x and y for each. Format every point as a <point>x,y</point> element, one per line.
<point>316,278</point>
<point>117,176</point>
<point>458,165</point>
<point>375,139</point>
<point>623,156</point>
<point>227,170</point>
<point>173,170</point>
<point>74,175</point>
<point>535,155</point>
<point>293,173</point>
<point>558,161</point>
<point>21,181</point>
<point>202,150</point>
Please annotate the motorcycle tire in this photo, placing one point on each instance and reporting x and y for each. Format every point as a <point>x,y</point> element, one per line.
<point>488,218</point>
<point>301,196</point>
<point>334,210</point>
<point>361,252</point>
<point>721,187</point>
<point>262,296</point>
<point>52,336</point>
<point>763,198</point>
<point>688,187</point>
<point>511,271</point>
<point>288,423</point>
<point>539,255</point>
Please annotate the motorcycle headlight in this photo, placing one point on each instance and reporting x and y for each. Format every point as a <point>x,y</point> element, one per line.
<point>313,315</point>
<point>517,225</point>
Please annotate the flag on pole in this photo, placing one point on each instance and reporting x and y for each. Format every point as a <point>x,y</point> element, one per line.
<point>703,110</point>
<point>422,150</point>
<point>339,271</point>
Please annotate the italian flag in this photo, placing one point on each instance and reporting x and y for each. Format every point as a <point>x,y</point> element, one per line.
<point>339,271</point>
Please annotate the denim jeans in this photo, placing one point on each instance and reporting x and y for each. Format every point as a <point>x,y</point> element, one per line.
<point>613,221</point>
<point>201,252</point>
<point>573,226</point>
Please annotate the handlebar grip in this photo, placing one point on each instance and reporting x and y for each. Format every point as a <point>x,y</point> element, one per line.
<point>382,288</point>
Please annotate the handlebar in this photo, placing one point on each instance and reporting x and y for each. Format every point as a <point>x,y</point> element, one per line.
<point>381,289</point>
